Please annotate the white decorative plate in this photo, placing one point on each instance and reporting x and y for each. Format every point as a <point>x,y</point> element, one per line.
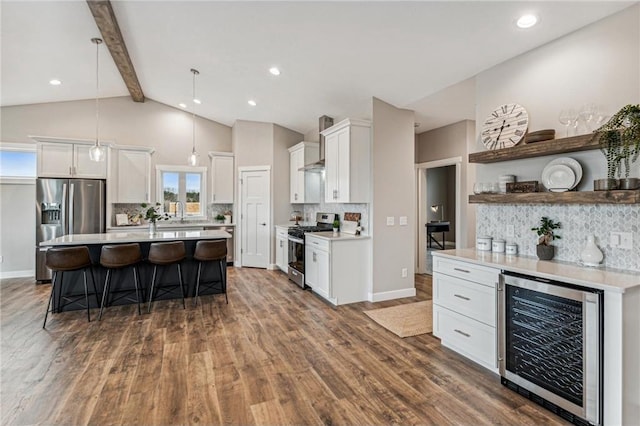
<point>558,178</point>
<point>572,164</point>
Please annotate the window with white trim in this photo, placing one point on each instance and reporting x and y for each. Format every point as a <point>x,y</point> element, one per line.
<point>17,162</point>
<point>186,185</point>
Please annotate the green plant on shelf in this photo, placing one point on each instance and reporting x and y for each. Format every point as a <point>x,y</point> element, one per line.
<point>619,140</point>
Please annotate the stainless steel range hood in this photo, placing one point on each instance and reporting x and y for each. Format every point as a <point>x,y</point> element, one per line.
<point>324,122</point>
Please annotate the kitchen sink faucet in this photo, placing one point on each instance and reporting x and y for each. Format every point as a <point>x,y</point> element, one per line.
<point>180,206</point>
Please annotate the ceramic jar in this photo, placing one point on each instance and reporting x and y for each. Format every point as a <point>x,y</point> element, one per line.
<point>511,249</point>
<point>497,246</point>
<point>591,254</point>
<point>483,243</point>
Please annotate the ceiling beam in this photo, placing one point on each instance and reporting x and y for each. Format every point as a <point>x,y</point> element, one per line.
<point>107,23</point>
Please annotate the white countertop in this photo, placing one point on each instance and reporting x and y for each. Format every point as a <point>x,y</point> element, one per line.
<point>340,236</point>
<point>169,224</point>
<point>135,237</point>
<point>601,278</point>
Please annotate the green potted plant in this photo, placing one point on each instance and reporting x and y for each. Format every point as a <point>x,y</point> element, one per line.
<point>546,235</point>
<point>220,218</point>
<point>619,141</point>
<point>152,214</point>
<point>336,226</point>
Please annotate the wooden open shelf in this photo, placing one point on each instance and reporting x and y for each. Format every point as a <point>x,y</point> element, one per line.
<point>569,197</point>
<point>536,149</point>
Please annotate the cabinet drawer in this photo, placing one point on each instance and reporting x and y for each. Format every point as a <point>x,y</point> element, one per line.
<point>466,271</point>
<point>467,298</point>
<point>318,243</point>
<point>470,338</point>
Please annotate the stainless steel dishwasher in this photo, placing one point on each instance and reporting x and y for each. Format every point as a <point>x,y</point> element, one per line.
<point>230,244</point>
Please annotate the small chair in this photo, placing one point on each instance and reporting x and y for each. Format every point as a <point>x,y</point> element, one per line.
<point>166,254</point>
<point>68,259</point>
<point>120,256</point>
<point>212,251</point>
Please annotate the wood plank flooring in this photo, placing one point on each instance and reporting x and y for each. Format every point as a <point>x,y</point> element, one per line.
<point>275,355</point>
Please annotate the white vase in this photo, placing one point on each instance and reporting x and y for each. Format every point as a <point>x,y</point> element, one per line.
<point>152,228</point>
<point>591,254</point>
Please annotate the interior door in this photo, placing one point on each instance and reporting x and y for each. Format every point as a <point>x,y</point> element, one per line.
<point>255,218</point>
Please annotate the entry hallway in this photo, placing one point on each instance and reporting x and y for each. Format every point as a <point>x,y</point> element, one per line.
<point>274,355</point>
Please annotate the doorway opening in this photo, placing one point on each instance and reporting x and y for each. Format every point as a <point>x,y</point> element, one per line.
<point>438,187</point>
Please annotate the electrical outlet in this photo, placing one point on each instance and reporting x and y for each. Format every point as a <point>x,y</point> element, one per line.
<point>621,240</point>
<point>404,272</point>
<point>403,221</point>
<point>511,232</point>
<point>391,220</point>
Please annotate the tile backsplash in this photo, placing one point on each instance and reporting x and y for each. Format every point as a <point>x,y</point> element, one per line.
<point>577,222</point>
<point>309,210</point>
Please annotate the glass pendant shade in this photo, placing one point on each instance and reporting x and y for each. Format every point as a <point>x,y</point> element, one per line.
<point>193,158</point>
<point>97,152</point>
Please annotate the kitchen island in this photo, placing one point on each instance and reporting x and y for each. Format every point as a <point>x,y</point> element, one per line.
<point>123,279</point>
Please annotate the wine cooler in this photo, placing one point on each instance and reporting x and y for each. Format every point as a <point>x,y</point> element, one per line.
<point>550,345</point>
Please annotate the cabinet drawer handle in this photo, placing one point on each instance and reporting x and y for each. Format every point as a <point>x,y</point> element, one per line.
<point>462,332</point>
<point>461,270</point>
<point>459,296</point>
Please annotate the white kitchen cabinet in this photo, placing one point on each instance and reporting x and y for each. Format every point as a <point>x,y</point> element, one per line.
<point>337,269</point>
<point>464,309</point>
<point>132,174</point>
<point>221,177</point>
<point>282,248</point>
<point>304,186</point>
<point>65,159</point>
<point>348,162</point>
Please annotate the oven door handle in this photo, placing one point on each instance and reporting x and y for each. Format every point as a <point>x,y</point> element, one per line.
<point>295,240</point>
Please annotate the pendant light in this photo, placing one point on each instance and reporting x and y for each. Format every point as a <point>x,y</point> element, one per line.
<point>193,157</point>
<point>97,151</point>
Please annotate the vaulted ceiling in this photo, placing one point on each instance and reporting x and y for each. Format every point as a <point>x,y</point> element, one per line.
<point>334,56</point>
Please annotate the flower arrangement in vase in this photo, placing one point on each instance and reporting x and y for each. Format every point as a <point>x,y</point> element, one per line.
<point>152,214</point>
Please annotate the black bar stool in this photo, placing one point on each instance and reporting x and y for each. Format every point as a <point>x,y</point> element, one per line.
<point>212,251</point>
<point>166,254</point>
<point>68,259</point>
<point>120,256</point>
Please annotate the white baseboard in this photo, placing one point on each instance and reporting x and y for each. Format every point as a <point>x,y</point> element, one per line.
<point>272,267</point>
<point>394,294</point>
<point>17,274</point>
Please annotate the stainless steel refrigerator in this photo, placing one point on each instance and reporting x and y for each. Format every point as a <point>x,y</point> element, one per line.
<point>66,206</point>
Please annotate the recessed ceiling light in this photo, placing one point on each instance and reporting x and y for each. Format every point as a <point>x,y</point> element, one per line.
<point>55,82</point>
<point>197,101</point>
<point>527,21</point>
<point>252,102</point>
<point>274,70</point>
<point>182,105</point>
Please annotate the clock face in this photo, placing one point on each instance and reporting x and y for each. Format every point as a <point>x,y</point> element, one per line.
<point>505,126</point>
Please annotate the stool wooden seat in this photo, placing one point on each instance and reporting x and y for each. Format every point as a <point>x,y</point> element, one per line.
<point>119,256</point>
<point>68,259</point>
<point>166,254</point>
<point>211,251</point>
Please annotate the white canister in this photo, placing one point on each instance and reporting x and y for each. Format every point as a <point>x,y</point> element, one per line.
<point>511,248</point>
<point>503,180</point>
<point>497,246</point>
<point>483,243</point>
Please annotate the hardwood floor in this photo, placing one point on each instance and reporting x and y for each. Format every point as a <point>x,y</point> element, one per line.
<point>274,355</point>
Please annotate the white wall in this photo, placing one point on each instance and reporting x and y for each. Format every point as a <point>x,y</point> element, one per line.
<point>597,64</point>
<point>17,229</point>
<point>393,195</point>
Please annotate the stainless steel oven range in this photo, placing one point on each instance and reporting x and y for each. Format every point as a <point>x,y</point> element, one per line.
<point>324,222</point>
<point>550,345</point>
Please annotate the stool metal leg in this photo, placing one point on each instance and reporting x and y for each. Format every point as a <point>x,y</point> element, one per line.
<point>135,281</point>
<point>223,279</point>
<point>59,303</point>
<point>95,289</point>
<point>86,293</point>
<point>195,299</point>
<point>105,292</point>
<point>153,282</point>
<point>49,307</point>
<point>184,306</point>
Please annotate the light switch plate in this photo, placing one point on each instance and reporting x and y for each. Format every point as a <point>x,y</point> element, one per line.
<point>391,220</point>
<point>403,221</point>
<point>621,240</point>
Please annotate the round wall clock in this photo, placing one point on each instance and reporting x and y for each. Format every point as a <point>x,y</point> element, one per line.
<point>505,126</point>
